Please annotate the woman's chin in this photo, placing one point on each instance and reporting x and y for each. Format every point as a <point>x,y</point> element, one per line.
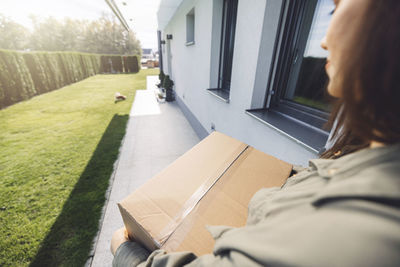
<point>333,90</point>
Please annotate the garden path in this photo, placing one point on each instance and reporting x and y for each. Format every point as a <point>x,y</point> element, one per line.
<point>156,135</point>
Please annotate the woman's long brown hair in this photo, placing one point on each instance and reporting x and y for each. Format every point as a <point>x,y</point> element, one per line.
<point>369,109</point>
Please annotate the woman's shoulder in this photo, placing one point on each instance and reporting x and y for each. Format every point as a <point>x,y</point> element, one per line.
<point>371,174</point>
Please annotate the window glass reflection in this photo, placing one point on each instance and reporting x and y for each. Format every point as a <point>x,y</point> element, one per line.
<point>310,89</point>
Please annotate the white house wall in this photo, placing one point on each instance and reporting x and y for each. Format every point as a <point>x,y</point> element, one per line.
<point>191,67</point>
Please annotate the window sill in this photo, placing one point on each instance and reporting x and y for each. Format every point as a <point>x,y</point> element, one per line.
<point>189,43</point>
<point>221,94</point>
<point>310,137</point>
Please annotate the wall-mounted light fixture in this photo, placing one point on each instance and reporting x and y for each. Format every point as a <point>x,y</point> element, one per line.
<point>169,36</point>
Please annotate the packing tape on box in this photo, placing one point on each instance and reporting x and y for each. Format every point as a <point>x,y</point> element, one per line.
<point>191,203</point>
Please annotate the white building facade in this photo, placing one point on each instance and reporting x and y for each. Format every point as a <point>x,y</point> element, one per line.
<point>250,69</point>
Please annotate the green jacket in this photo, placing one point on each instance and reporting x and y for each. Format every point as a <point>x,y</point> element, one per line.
<point>343,212</point>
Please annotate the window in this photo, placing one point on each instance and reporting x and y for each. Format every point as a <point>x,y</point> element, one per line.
<point>229,14</point>
<point>297,102</point>
<point>190,27</point>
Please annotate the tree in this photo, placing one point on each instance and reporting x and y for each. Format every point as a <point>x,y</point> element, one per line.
<point>104,36</point>
<point>107,36</point>
<point>47,34</point>
<point>13,35</point>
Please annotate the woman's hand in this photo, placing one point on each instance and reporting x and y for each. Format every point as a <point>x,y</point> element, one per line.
<point>120,236</point>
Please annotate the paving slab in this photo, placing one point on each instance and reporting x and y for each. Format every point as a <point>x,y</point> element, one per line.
<point>156,135</point>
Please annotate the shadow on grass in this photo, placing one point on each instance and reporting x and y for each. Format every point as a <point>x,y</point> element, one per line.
<point>70,238</point>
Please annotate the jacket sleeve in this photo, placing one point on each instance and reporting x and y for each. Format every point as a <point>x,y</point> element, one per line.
<point>129,254</point>
<point>133,254</point>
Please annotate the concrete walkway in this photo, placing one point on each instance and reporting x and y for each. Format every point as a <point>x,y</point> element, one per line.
<point>157,134</point>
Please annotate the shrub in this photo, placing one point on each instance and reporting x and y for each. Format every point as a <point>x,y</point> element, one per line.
<point>55,76</point>
<point>167,83</point>
<point>131,64</point>
<point>117,64</point>
<point>105,63</point>
<point>24,75</point>
<point>5,84</point>
<point>112,64</point>
<point>16,81</point>
<point>161,77</point>
<point>37,71</point>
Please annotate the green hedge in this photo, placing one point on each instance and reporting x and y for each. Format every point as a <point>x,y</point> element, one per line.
<point>16,83</point>
<point>24,75</point>
<point>119,64</point>
<point>131,64</point>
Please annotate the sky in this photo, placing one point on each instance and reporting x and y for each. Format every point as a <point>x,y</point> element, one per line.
<point>139,14</point>
<point>322,17</point>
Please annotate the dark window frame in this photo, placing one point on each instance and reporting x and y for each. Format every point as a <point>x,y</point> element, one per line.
<point>227,43</point>
<point>295,120</point>
<point>229,15</point>
<point>190,27</point>
<point>294,28</point>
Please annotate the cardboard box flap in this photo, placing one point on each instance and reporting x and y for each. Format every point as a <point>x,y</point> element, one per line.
<point>226,203</point>
<point>157,210</point>
<point>133,226</point>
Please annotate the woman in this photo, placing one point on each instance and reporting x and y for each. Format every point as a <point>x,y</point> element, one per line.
<point>344,210</point>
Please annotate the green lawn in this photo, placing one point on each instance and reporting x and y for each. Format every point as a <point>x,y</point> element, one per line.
<point>56,155</point>
<point>312,103</point>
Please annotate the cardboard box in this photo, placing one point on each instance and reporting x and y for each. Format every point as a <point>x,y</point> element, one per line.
<point>211,184</point>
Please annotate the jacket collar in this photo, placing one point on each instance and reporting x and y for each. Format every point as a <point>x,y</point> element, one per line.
<point>371,173</point>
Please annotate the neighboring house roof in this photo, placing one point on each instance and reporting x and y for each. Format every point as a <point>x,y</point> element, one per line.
<point>165,12</point>
<point>147,51</point>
